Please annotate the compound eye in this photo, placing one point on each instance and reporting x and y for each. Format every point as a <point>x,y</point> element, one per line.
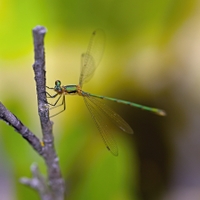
<point>57,83</point>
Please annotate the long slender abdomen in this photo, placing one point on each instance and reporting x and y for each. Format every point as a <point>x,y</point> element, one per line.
<point>154,110</point>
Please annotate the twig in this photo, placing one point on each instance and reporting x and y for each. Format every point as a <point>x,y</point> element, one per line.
<point>56,182</point>
<point>13,121</point>
<point>38,182</point>
<point>53,188</point>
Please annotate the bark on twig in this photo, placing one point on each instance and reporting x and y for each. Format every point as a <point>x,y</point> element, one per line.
<point>56,182</point>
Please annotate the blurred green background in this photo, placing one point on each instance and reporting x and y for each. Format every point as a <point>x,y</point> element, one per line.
<point>151,57</point>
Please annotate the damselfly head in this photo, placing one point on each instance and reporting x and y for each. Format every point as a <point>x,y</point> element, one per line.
<point>58,87</point>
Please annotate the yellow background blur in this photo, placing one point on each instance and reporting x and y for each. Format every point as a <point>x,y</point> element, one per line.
<point>152,57</point>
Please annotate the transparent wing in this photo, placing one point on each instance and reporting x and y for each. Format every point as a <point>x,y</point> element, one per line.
<point>92,57</point>
<point>102,126</point>
<point>100,113</point>
<point>112,115</point>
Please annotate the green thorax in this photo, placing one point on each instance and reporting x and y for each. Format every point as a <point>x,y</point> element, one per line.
<point>71,89</point>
